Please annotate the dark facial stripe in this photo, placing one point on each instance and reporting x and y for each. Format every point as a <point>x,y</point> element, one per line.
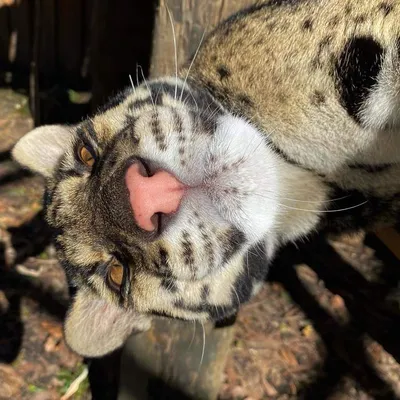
<point>140,103</point>
<point>357,70</point>
<point>157,132</point>
<point>187,251</point>
<point>169,284</point>
<point>372,169</point>
<point>205,293</point>
<point>386,8</point>
<point>178,123</point>
<point>234,242</point>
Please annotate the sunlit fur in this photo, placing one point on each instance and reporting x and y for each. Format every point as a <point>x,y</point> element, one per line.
<point>286,122</point>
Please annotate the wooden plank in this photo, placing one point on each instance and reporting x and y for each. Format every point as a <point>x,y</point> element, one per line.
<point>175,360</point>
<point>120,39</point>
<point>191,19</point>
<point>391,239</point>
<point>47,43</point>
<point>71,41</point>
<point>21,24</point>
<point>5,33</point>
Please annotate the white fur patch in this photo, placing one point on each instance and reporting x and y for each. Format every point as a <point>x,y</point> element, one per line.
<point>242,177</point>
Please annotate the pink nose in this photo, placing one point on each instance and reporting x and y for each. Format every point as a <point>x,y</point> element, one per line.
<point>149,195</point>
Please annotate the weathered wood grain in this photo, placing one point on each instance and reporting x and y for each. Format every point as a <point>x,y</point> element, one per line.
<point>191,19</point>
<point>175,360</point>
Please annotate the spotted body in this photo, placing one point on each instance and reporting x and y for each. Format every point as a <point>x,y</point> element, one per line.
<point>286,122</point>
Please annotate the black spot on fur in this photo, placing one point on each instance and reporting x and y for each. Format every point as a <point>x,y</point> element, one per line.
<point>348,9</point>
<point>223,72</point>
<point>140,103</point>
<point>169,285</point>
<point>187,250</point>
<point>178,123</point>
<point>234,241</point>
<point>334,21</point>
<point>157,132</point>
<point>307,25</point>
<point>386,8</point>
<point>130,121</point>
<point>359,19</point>
<point>163,256</point>
<point>318,98</point>
<point>155,126</point>
<point>245,100</point>
<point>357,70</point>
<point>128,133</point>
<point>205,292</point>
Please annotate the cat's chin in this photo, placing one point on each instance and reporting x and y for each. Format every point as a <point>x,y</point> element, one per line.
<point>242,177</point>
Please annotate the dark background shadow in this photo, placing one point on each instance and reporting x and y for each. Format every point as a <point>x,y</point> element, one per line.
<point>369,313</point>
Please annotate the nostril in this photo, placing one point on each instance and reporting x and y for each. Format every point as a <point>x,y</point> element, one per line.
<point>143,168</point>
<point>156,221</point>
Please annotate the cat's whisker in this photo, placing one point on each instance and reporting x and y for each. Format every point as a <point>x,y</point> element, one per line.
<point>315,211</point>
<point>175,49</point>
<point>191,63</point>
<point>237,296</point>
<point>204,345</point>
<point>147,85</point>
<point>133,86</point>
<point>193,335</point>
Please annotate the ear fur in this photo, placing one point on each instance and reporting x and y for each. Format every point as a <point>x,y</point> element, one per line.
<point>94,327</point>
<point>40,149</point>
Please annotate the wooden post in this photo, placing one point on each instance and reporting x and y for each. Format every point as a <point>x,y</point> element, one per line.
<point>177,359</point>
<point>191,19</point>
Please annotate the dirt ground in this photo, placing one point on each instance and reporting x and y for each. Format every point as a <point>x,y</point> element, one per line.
<point>325,325</point>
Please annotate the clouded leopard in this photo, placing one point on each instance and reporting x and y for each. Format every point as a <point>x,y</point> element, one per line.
<point>286,122</point>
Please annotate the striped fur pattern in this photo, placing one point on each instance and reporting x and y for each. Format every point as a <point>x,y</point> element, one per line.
<point>286,122</point>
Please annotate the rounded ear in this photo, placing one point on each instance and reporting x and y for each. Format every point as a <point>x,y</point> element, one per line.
<point>41,149</point>
<point>94,327</point>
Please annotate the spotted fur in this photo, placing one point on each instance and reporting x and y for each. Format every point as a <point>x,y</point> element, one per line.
<point>286,122</point>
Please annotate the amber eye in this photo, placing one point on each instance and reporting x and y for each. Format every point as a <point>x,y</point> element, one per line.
<point>86,156</point>
<point>116,275</point>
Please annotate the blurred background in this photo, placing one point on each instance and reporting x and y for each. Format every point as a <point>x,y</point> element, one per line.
<point>326,323</point>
